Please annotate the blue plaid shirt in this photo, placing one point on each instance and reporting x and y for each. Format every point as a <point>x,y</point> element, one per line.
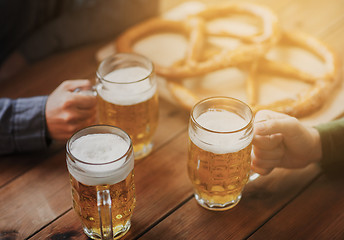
<point>22,124</point>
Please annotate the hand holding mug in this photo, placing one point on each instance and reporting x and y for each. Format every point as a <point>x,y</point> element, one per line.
<point>283,141</point>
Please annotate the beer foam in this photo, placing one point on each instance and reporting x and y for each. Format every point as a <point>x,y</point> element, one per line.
<point>221,121</point>
<point>132,90</point>
<point>226,138</point>
<point>96,149</point>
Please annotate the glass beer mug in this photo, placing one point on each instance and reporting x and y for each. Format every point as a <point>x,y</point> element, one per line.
<point>220,143</point>
<point>100,162</point>
<point>127,98</point>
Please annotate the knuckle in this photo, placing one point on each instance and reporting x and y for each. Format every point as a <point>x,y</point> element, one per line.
<point>72,128</point>
<point>65,84</point>
<point>294,120</point>
<point>259,154</point>
<point>68,103</point>
<point>257,163</point>
<point>68,118</point>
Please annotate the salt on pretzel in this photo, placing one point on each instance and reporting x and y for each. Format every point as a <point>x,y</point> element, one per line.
<point>194,29</point>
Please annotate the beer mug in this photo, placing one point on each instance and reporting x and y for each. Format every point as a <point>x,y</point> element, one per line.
<point>219,154</point>
<point>127,98</point>
<point>100,162</point>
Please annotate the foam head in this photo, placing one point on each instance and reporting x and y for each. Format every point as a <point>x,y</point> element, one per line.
<point>223,132</point>
<point>102,159</point>
<point>127,86</point>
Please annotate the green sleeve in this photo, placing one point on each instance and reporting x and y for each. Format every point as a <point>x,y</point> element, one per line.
<point>332,143</point>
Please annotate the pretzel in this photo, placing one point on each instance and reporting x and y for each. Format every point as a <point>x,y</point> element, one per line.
<point>312,99</point>
<point>268,32</point>
<point>202,58</point>
<point>297,106</point>
<point>196,62</point>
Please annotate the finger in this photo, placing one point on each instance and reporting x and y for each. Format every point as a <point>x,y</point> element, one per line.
<point>261,171</point>
<point>267,142</point>
<point>256,169</point>
<point>91,121</point>
<point>83,101</point>
<point>75,116</point>
<point>264,164</point>
<point>80,115</point>
<point>264,115</point>
<point>89,92</point>
<point>266,155</point>
<point>273,126</point>
<point>69,122</point>
<point>83,123</point>
<point>71,85</point>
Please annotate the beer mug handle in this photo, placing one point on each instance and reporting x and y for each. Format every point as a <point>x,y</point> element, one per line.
<point>253,176</point>
<point>91,92</point>
<point>104,211</point>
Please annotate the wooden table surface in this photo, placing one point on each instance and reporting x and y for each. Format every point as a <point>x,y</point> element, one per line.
<point>35,193</point>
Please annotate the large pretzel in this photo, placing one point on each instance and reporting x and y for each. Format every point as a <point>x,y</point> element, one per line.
<point>311,100</point>
<point>196,62</point>
<point>299,106</point>
<point>250,56</point>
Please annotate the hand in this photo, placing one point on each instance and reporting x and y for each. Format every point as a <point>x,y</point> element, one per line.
<point>67,111</point>
<point>283,141</point>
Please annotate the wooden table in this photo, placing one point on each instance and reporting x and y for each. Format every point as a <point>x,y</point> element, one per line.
<point>35,195</point>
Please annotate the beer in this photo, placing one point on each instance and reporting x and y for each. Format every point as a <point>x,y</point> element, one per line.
<point>123,203</point>
<point>127,98</point>
<point>218,179</point>
<point>219,157</point>
<point>93,169</point>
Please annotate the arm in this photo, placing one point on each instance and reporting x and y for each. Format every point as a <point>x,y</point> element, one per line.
<point>27,124</point>
<point>22,124</point>
<point>332,144</point>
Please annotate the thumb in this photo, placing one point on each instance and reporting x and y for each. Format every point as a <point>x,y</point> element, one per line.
<point>285,126</point>
<point>268,122</point>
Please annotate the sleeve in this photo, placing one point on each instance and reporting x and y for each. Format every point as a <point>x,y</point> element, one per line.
<point>332,143</point>
<point>22,124</point>
<point>88,23</point>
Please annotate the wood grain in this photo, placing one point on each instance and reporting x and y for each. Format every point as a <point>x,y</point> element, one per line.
<point>161,184</point>
<point>260,201</point>
<point>316,211</point>
<point>35,197</point>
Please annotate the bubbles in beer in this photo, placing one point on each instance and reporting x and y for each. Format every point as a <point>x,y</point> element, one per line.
<point>128,98</point>
<point>219,157</point>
